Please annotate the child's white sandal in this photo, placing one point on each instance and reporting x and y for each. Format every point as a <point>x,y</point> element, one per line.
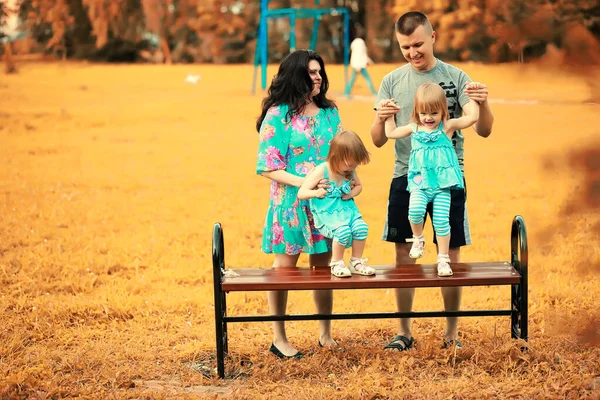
<point>443,267</point>
<point>358,266</point>
<point>418,247</point>
<point>339,269</point>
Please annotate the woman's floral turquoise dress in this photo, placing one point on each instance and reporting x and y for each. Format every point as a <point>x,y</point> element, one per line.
<point>296,146</point>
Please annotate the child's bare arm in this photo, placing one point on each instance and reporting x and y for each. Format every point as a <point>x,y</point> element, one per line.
<point>307,189</point>
<point>464,121</point>
<point>356,189</point>
<point>390,125</point>
<point>399,132</point>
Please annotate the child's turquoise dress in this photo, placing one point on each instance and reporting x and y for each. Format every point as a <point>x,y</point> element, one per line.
<point>296,145</point>
<point>433,163</point>
<point>331,211</point>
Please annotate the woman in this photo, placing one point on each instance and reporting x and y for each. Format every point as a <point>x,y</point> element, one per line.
<point>296,124</point>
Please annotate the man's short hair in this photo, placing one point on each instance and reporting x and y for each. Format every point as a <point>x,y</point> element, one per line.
<point>410,21</point>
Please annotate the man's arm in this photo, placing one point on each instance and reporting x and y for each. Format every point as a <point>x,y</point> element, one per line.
<point>479,92</point>
<point>483,126</point>
<point>378,132</point>
<point>378,128</point>
<point>384,108</point>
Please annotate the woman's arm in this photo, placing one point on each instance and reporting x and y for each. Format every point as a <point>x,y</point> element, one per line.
<point>284,177</point>
<point>307,190</point>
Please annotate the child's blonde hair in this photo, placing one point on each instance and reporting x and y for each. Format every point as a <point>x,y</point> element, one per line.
<point>346,147</point>
<point>430,97</point>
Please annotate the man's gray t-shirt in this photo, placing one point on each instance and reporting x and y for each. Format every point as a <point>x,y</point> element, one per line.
<point>401,84</point>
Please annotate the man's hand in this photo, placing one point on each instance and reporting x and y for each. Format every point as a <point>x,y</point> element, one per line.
<point>477,91</point>
<point>386,108</point>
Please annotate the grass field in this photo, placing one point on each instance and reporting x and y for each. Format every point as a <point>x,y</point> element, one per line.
<point>111,180</point>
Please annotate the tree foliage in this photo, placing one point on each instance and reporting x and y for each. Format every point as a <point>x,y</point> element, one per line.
<point>3,13</point>
<point>225,30</point>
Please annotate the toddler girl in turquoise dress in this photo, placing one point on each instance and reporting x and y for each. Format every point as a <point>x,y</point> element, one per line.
<point>334,211</point>
<point>433,168</point>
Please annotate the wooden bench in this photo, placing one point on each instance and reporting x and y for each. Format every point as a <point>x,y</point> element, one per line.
<point>513,273</point>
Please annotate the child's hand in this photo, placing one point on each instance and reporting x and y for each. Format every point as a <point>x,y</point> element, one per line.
<point>321,193</point>
<point>347,196</point>
<point>323,184</point>
<point>477,91</point>
<point>386,108</point>
<point>386,103</point>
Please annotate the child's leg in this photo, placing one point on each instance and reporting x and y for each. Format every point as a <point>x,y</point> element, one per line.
<point>365,73</point>
<point>417,207</point>
<point>351,82</point>
<point>337,251</point>
<point>341,238</point>
<point>416,211</point>
<point>441,224</point>
<point>359,235</point>
<point>359,229</point>
<point>441,220</point>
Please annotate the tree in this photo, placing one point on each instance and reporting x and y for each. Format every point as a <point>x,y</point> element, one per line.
<point>106,17</point>
<point>5,12</point>
<point>582,56</point>
<point>3,15</point>
<point>47,23</point>
<point>516,24</point>
<point>60,20</point>
<point>157,22</point>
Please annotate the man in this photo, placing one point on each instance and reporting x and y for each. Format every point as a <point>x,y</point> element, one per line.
<point>416,37</point>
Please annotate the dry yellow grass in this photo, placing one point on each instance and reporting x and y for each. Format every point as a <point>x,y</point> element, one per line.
<point>111,180</point>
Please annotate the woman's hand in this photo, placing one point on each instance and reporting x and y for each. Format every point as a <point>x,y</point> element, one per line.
<point>321,193</point>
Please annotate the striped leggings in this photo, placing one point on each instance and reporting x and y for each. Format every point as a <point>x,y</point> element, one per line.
<point>419,198</point>
<point>357,230</point>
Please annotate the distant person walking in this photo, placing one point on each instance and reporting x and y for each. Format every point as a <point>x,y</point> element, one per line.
<point>359,59</point>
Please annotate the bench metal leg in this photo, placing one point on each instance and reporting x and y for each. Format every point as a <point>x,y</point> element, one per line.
<point>220,302</point>
<point>519,293</point>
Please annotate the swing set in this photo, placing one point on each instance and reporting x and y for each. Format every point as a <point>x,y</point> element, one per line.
<point>261,53</point>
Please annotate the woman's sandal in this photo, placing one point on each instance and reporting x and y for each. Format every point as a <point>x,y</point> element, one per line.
<point>443,267</point>
<point>418,247</point>
<point>299,355</point>
<point>358,266</point>
<point>339,269</point>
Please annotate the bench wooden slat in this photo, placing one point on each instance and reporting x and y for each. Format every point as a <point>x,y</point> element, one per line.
<point>387,276</point>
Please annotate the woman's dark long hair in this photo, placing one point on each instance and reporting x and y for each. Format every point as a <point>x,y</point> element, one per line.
<point>292,85</point>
